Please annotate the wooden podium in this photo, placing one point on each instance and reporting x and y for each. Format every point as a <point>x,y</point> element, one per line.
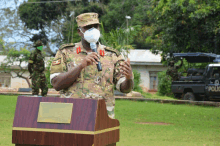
<point>53,121</point>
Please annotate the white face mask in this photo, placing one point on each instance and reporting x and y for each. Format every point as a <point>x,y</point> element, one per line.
<point>91,35</point>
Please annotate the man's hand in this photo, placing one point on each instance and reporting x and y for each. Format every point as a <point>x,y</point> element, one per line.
<point>89,59</point>
<point>126,69</point>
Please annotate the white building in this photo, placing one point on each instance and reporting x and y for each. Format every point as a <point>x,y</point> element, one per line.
<point>143,61</point>
<point>148,65</point>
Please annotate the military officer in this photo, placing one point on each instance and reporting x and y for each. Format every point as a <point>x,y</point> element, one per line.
<point>36,70</point>
<point>74,72</point>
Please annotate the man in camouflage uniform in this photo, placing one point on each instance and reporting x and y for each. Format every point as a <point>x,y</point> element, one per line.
<point>74,72</point>
<point>173,70</point>
<point>36,69</point>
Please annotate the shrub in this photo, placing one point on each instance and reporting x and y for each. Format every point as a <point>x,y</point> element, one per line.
<point>164,84</point>
<point>47,73</point>
<point>137,81</point>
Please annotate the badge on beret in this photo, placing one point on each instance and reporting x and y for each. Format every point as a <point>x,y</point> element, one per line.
<point>56,62</point>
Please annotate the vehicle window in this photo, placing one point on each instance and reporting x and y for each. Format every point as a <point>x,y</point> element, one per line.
<point>214,71</point>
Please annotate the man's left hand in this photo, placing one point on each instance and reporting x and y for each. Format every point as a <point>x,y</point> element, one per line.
<point>125,68</point>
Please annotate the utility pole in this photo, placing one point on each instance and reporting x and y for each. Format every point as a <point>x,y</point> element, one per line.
<point>127,17</point>
<point>72,14</point>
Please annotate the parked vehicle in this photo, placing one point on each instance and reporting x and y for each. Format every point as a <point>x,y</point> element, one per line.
<point>199,84</point>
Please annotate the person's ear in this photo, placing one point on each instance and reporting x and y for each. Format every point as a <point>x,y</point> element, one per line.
<point>99,27</point>
<point>79,32</point>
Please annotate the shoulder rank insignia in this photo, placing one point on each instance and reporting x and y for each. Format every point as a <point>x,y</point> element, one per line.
<point>66,45</point>
<point>56,62</point>
<point>78,50</point>
<point>113,50</point>
<point>102,52</point>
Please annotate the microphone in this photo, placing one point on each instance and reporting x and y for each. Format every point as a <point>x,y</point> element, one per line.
<point>94,49</point>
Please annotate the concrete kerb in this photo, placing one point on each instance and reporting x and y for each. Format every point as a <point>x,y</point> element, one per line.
<point>203,103</point>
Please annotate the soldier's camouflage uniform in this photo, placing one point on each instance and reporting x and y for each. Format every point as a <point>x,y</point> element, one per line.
<point>173,71</point>
<point>91,83</point>
<point>36,62</point>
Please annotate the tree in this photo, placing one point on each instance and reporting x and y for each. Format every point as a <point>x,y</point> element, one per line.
<point>47,20</point>
<point>115,18</point>
<point>185,26</point>
<point>120,39</point>
<point>16,62</point>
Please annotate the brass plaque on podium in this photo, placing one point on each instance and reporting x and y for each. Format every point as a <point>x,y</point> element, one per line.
<point>54,112</point>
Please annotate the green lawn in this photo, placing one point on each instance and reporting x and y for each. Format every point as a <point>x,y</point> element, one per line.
<point>189,125</point>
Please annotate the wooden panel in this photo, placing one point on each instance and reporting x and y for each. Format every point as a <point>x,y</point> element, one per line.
<point>58,139</point>
<point>114,144</point>
<point>106,138</point>
<point>83,114</point>
<point>102,120</point>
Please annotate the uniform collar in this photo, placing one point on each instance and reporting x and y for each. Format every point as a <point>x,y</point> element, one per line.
<point>100,49</point>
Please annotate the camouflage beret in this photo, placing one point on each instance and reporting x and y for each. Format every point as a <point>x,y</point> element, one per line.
<point>87,19</point>
<point>38,43</point>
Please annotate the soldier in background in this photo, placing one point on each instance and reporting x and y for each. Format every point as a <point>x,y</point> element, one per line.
<point>173,70</point>
<point>36,69</point>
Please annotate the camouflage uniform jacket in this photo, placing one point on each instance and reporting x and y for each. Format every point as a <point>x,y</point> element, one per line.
<point>91,83</point>
<point>37,59</point>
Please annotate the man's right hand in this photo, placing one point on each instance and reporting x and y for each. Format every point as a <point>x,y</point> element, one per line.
<point>89,59</point>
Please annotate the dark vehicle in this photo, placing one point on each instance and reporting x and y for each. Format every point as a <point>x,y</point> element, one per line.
<point>199,84</point>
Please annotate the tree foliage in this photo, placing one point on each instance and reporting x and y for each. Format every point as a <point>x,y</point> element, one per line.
<point>112,13</point>
<point>185,26</point>
<point>15,63</point>
<point>47,73</point>
<point>45,19</point>
<point>137,81</point>
<point>120,39</point>
<point>44,13</point>
<point>164,84</point>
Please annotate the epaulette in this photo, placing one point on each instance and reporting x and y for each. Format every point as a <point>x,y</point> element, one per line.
<point>113,50</point>
<point>66,45</point>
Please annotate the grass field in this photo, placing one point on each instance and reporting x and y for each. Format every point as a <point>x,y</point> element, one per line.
<point>188,125</point>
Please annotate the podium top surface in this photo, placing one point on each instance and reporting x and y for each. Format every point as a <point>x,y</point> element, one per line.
<point>86,114</point>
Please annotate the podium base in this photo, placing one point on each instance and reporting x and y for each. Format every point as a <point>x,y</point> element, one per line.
<point>114,144</point>
<point>27,145</point>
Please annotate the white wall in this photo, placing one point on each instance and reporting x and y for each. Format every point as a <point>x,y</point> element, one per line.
<point>142,69</point>
<point>19,82</point>
<point>156,68</point>
<point>145,70</point>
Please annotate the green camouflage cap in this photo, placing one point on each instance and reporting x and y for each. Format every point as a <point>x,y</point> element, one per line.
<point>38,43</point>
<point>87,19</point>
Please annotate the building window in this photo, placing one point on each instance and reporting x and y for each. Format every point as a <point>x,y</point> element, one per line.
<point>5,80</point>
<point>153,81</point>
